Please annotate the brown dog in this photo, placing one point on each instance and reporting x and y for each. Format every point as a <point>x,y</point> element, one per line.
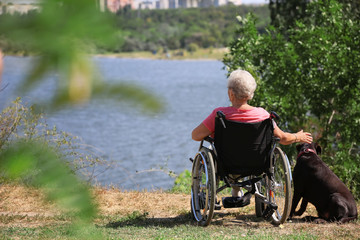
<point>314,182</point>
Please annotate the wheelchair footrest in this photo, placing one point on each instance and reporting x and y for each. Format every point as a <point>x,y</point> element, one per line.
<point>269,210</point>
<point>236,202</point>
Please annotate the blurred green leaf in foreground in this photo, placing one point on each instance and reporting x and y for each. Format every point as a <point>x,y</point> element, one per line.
<point>62,34</point>
<point>59,184</point>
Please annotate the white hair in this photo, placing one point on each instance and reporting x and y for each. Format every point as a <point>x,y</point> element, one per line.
<point>242,83</point>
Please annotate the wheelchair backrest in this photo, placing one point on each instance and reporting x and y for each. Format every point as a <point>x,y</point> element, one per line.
<point>243,148</point>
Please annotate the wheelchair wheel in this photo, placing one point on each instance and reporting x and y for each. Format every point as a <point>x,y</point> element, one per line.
<point>279,188</point>
<point>203,187</point>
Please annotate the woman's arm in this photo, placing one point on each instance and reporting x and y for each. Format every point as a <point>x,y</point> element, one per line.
<point>200,132</point>
<point>289,138</point>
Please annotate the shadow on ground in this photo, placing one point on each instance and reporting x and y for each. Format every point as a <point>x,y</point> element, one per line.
<point>219,219</point>
<point>142,220</point>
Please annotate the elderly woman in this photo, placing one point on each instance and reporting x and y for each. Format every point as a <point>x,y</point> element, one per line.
<point>241,88</point>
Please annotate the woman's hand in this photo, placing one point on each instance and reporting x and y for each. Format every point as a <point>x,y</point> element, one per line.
<point>303,137</point>
<point>289,138</point>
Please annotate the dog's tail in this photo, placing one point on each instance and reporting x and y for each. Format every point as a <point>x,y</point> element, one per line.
<point>348,219</point>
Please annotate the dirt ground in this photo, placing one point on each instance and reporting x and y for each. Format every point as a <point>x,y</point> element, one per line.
<point>26,207</point>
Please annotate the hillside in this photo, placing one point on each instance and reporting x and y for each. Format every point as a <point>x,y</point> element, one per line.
<point>154,30</point>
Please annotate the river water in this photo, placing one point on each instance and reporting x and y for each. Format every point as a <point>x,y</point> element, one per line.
<point>140,146</point>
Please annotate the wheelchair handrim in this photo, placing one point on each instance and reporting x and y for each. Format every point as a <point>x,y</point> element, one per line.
<point>198,211</point>
<point>280,215</point>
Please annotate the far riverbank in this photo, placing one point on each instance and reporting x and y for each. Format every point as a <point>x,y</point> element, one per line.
<point>179,54</point>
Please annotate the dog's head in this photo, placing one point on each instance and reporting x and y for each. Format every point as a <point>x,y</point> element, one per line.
<point>306,146</point>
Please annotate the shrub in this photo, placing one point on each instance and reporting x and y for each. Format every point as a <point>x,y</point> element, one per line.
<point>310,76</point>
<point>182,183</point>
<point>192,47</point>
<point>21,123</point>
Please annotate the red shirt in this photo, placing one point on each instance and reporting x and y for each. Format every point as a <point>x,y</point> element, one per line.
<point>256,114</point>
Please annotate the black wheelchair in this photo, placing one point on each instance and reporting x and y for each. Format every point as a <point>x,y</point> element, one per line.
<point>246,156</point>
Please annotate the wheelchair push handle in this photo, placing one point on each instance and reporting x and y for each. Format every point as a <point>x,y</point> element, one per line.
<point>274,115</point>
<point>221,116</point>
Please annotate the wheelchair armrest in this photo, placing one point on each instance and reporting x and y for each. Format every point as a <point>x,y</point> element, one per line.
<point>207,139</point>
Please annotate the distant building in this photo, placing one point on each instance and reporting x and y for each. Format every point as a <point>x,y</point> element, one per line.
<point>18,6</point>
<point>206,3</point>
<point>146,4</point>
<point>102,5</point>
<point>20,2</point>
<point>188,3</point>
<point>162,4</point>
<point>218,3</point>
<point>235,2</point>
<point>115,5</point>
<point>173,4</point>
<point>24,6</point>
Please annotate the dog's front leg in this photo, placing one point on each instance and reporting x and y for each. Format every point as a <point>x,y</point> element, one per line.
<point>294,204</point>
<point>302,209</point>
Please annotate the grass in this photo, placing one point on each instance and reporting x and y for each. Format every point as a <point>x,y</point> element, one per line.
<point>148,215</point>
<point>142,227</point>
<point>178,228</point>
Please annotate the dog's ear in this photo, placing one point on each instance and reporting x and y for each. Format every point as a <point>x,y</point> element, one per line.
<point>318,148</point>
<point>298,147</point>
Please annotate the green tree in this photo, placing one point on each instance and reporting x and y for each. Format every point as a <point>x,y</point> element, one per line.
<point>177,28</point>
<point>311,78</point>
<point>284,13</point>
